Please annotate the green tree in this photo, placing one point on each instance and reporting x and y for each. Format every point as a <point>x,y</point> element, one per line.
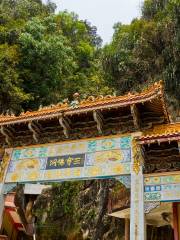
<point>46,63</point>
<point>12,94</point>
<point>13,16</point>
<point>146,50</point>
<point>57,54</point>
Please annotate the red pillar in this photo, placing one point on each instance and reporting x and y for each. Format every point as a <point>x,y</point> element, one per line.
<point>127,229</point>
<point>175,221</point>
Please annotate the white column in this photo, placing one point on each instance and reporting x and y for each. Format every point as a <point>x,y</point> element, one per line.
<point>137,217</point>
<point>1,203</point>
<point>137,222</point>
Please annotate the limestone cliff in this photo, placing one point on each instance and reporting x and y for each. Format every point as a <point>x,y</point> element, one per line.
<point>77,211</point>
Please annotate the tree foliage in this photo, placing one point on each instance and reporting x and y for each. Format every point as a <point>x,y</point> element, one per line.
<point>47,61</point>
<point>57,207</point>
<point>14,14</point>
<point>50,56</point>
<point>146,50</point>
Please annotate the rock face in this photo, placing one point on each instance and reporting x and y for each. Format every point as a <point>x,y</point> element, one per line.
<point>78,211</point>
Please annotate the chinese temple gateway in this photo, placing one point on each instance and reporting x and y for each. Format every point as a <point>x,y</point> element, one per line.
<point>130,138</point>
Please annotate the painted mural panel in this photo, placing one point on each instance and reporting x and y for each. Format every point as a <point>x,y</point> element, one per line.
<point>162,188</point>
<point>103,157</point>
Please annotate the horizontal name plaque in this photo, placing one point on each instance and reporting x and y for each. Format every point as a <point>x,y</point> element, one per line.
<point>67,161</point>
<point>81,159</point>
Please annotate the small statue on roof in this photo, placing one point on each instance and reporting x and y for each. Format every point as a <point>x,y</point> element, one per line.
<point>76,101</point>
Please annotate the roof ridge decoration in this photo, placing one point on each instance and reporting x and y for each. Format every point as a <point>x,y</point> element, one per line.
<point>90,103</point>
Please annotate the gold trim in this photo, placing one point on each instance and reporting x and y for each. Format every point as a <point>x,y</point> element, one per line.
<point>164,129</point>
<point>137,156</point>
<point>161,174</point>
<point>4,165</point>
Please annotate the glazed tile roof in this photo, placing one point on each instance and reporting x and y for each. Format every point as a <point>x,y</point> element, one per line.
<point>161,133</point>
<point>90,104</point>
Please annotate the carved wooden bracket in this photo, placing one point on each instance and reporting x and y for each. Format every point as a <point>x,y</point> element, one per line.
<point>138,159</point>
<point>8,134</point>
<point>65,125</point>
<point>34,128</point>
<point>98,118</point>
<point>136,118</point>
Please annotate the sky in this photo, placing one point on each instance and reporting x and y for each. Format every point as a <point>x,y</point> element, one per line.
<point>103,13</point>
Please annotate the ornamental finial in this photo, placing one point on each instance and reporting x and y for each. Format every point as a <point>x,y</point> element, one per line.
<point>76,95</point>
<point>75,102</point>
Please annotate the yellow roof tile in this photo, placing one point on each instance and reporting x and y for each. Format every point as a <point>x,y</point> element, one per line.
<point>91,103</point>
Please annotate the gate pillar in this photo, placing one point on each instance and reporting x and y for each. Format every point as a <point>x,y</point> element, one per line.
<point>5,158</point>
<point>1,203</point>
<point>137,217</point>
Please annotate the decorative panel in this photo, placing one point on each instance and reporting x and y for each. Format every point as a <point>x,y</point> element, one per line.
<point>162,188</point>
<point>101,157</point>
